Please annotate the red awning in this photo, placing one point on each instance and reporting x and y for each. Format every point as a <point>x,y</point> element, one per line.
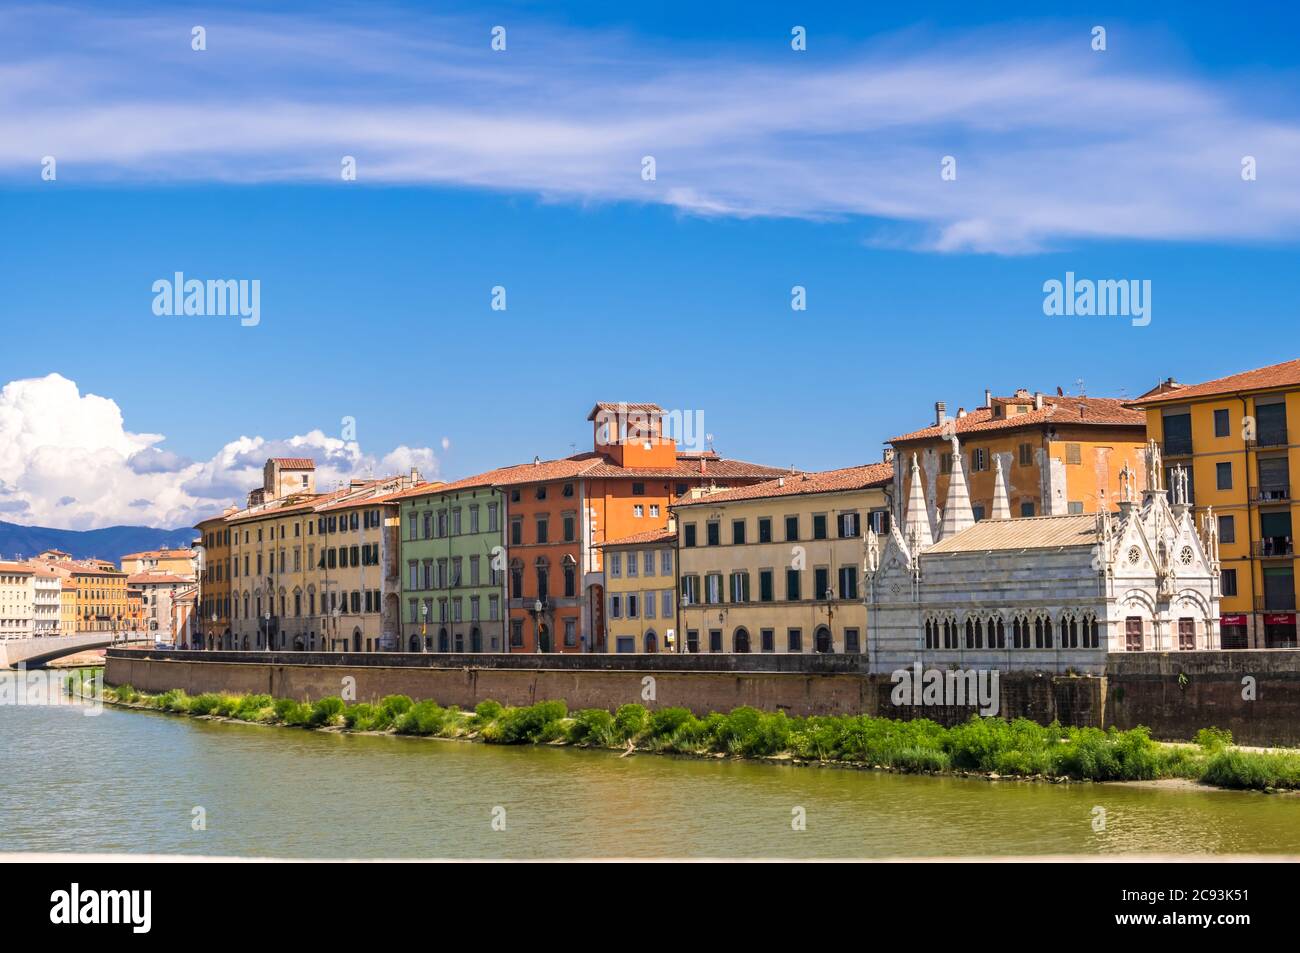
<point>1282,619</point>
<point>1232,619</point>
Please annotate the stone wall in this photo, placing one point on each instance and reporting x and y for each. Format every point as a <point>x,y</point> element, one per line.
<point>1172,693</point>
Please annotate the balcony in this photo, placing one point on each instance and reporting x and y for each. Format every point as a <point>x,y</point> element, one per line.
<point>1273,494</point>
<point>1273,547</point>
<point>1270,437</point>
<point>1176,447</point>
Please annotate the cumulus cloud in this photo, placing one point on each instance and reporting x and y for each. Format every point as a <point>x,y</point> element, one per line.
<point>1053,141</point>
<point>67,460</point>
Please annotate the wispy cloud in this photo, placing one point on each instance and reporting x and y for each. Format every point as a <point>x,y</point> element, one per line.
<point>1054,143</point>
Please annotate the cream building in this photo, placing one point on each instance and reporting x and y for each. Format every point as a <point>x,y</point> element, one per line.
<point>17,600</point>
<point>47,599</point>
<point>158,590</point>
<point>641,592</point>
<point>1050,593</point>
<point>179,562</point>
<point>777,566</point>
<point>312,571</point>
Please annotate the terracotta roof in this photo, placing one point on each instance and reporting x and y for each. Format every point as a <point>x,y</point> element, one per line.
<point>1286,374</point>
<point>617,407</point>
<point>1061,411</point>
<point>801,484</point>
<point>1030,532</point>
<point>21,569</point>
<point>295,463</point>
<point>161,554</point>
<point>637,539</point>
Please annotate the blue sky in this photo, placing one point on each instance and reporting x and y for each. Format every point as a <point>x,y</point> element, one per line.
<point>521,169</point>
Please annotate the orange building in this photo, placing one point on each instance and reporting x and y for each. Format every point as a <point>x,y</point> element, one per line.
<point>212,622</point>
<point>559,512</point>
<point>1058,454</point>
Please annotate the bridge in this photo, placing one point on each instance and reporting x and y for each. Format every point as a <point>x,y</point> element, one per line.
<point>35,653</point>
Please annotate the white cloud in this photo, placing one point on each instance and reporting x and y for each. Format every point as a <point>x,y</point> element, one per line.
<point>68,461</point>
<point>1053,142</point>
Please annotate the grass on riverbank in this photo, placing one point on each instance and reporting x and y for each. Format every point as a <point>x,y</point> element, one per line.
<point>989,746</point>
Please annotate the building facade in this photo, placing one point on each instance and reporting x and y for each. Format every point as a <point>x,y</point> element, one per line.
<point>47,598</point>
<point>158,590</point>
<point>453,565</point>
<point>355,576</point>
<point>214,563</point>
<point>180,562</point>
<point>1058,454</point>
<point>776,567</point>
<point>1052,593</point>
<point>1235,439</point>
<point>641,591</point>
<point>17,599</point>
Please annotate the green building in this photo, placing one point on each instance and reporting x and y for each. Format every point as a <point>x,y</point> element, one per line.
<point>452,565</point>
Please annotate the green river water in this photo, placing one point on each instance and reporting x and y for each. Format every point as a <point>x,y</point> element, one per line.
<point>130,781</point>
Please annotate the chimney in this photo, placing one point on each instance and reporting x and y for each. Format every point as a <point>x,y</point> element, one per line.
<point>672,524</point>
<point>415,476</point>
<point>961,412</point>
<point>940,412</point>
<point>780,481</point>
<point>1038,400</point>
<point>988,398</point>
<point>889,455</point>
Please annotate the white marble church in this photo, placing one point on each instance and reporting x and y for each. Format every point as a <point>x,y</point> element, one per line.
<point>1047,593</point>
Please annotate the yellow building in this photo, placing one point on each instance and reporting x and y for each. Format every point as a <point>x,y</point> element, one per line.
<point>777,566</point>
<point>1058,454</point>
<point>641,592</point>
<point>68,623</point>
<point>101,597</point>
<point>354,574</point>
<point>1232,436</point>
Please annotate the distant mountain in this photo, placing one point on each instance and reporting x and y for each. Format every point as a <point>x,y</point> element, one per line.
<point>111,542</point>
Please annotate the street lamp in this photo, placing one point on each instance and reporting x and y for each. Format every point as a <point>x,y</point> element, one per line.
<point>334,614</point>
<point>424,623</point>
<point>212,630</point>
<point>829,597</point>
<point>266,636</point>
<point>537,625</point>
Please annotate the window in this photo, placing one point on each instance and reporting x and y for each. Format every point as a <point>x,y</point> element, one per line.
<point>666,562</point>
<point>979,459</point>
<point>848,582</point>
<point>1027,508</point>
<point>715,640</point>
<point>648,562</point>
<point>764,529</point>
<point>737,532</point>
<point>1228,582</point>
<point>740,587</point>
<point>1270,424</point>
<point>792,585</point>
<point>688,534</point>
<point>713,588</point>
<point>1227,529</point>
<point>852,644</point>
<point>540,492</point>
<point>624,644</point>
<point>1074,506</point>
<point>615,564</point>
<point>570,632</point>
<point>1026,454</point>
<point>1178,434</point>
<point>638,511</point>
<point>850,526</point>
<point>1223,475</point>
<point>543,531</point>
<point>791,528</point>
<point>819,526</point>
<point>794,640</point>
<point>821,582</point>
<point>1186,635</point>
<point>492,517</point>
<point>767,639</point>
<point>666,603</point>
<point>690,590</point>
<point>633,607</point>
<point>631,565</point>
<point>692,640</point>
<point>516,632</point>
<point>1073,454</point>
<point>516,532</point>
<point>568,489</point>
<point>651,606</point>
<point>1221,424</point>
<point>765,585</point>
<point>713,533</point>
<point>977,511</point>
<point>654,510</point>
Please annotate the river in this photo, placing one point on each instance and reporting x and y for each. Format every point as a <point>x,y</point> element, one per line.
<point>132,781</point>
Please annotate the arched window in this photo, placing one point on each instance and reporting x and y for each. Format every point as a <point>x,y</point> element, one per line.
<point>740,640</point>
<point>970,634</point>
<point>822,641</point>
<point>1038,634</point>
<point>997,634</point>
<point>651,642</point>
<point>1094,633</point>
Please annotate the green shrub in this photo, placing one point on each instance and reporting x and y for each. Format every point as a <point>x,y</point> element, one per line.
<point>204,704</point>
<point>423,718</point>
<point>665,722</point>
<point>325,712</point>
<point>592,726</point>
<point>394,705</point>
<point>630,722</point>
<point>1211,740</point>
<point>359,717</point>
<point>175,700</point>
<point>487,711</point>
<point>534,723</point>
<point>1256,770</point>
<point>125,694</point>
<point>254,707</point>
